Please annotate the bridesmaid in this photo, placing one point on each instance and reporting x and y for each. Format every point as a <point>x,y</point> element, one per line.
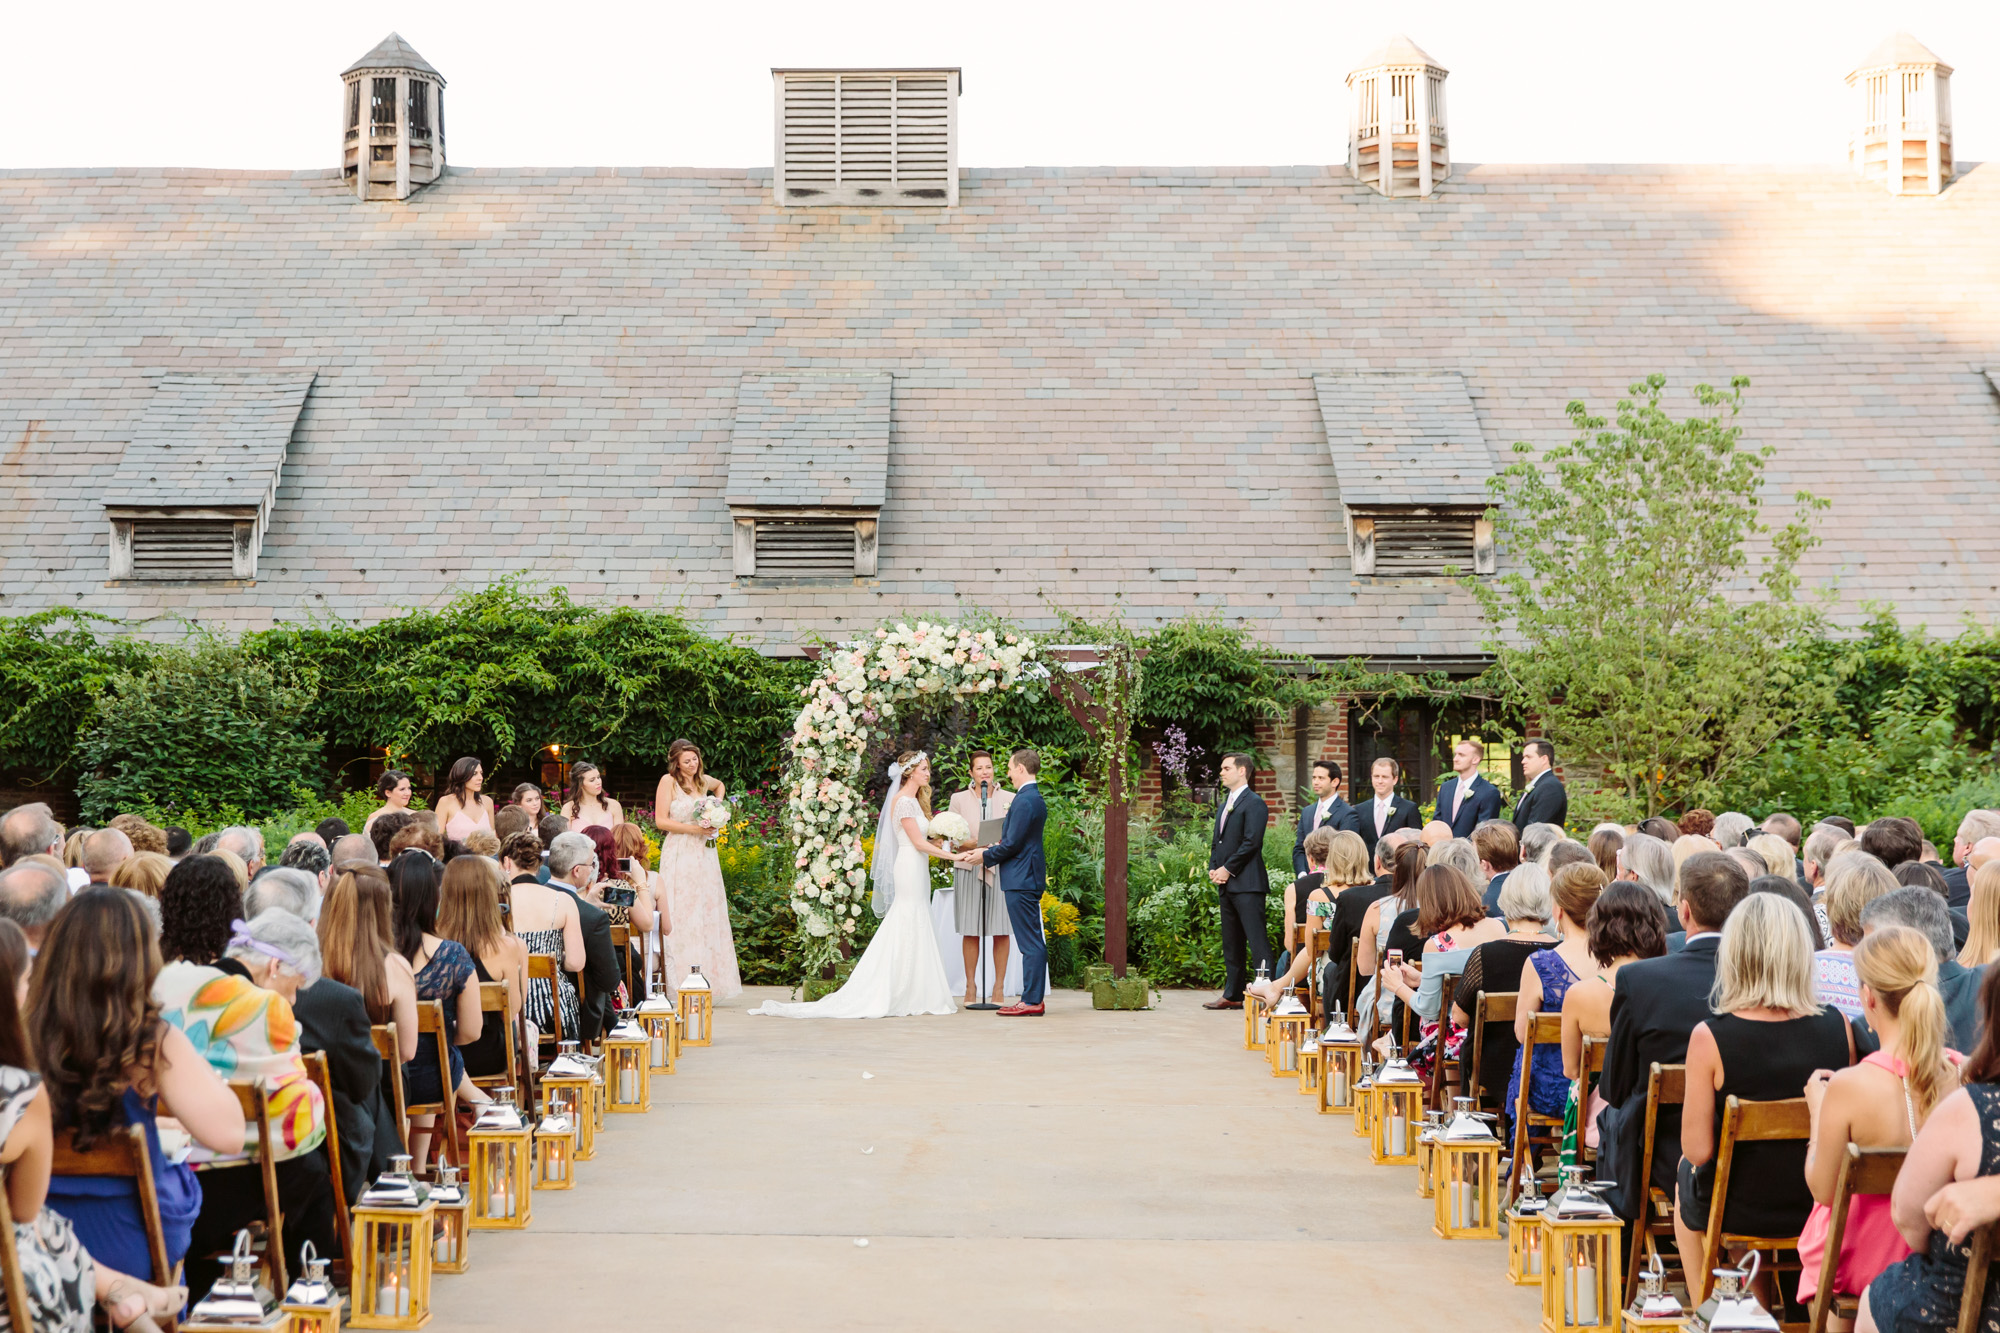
<point>395,790</point>
<point>693,897</point>
<point>590,805</point>
<point>529,797</point>
<point>464,807</point>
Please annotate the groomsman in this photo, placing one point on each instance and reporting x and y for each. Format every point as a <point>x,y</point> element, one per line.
<point>1328,810</point>
<point>1543,800</point>
<point>1467,799</point>
<point>1388,811</point>
<point>1236,867</point>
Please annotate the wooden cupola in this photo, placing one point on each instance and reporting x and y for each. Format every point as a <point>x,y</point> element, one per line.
<point>392,120</point>
<point>1398,143</point>
<point>1902,139</point>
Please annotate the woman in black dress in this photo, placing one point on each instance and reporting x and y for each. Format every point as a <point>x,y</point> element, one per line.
<point>1495,968</point>
<point>1767,1038</point>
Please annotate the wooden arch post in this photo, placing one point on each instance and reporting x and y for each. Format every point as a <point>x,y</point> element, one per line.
<point>1075,665</point>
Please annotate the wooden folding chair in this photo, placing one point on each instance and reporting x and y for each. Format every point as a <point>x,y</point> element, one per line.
<point>444,1111</point>
<point>1488,1010</point>
<point>1750,1122</point>
<point>1531,1127</point>
<point>123,1152</point>
<point>1977,1270</point>
<point>1436,1093</point>
<point>1862,1171</point>
<point>392,1073</point>
<point>18,1314</point>
<point>541,967</point>
<point>1666,1085</point>
<point>316,1070</point>
<point>1593,1067</point>
<point>621,943</point>
<point>250,1096</point>
<point>493,1018</point>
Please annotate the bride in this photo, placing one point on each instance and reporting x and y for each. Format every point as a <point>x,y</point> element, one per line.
<point>901,971</point>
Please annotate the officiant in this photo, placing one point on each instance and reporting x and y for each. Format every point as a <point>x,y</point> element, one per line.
<point>982,799</point>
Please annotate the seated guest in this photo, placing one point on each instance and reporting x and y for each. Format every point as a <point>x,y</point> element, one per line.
<point>110,1062</point>
<point>1660,827</point>
<point>1982,940</point>
<point>1350,909</point>
<point>1879,1103</point>
<point>382,829</point>
<point>1569,852</point>
<point>103,852</point>
<point>1764,1041</point>
<point>629,842</point>
<point>1690,845</point>
<point>1371,943</point>
<point>352,850</point>
<point>355,950</point>
<point>1819,850</point>
<point>307,853</point>
<point>481,842</point>
<point>548,922</point>
<point>32,890</point>
<point>1648,861</point>
<point>1537,840</point>
<point>1894,839</point>
<point>509,820</point>
<point>1495,968</point>
<point>1958,985</point>
<point>1788,888</point>
<point>1777,855</point>
<point>1853,880</point>
<point>1460,855</point>
<point>1315,886</point>
<point>548,828</point>
<point>1655,1004</point>
<point>1699,823</point>
<point>1731,829</point>
<point>1451,922</point>
<point>1949,1185</point>
<point>1624,926</point>
<point>419,835</point>
<point>469,913</point>
<point>142,833</point>
<point>1499,849</point>
<point>1605,844</point>
<point>444,972</point>
<point>245,1032</point>
<point>1545,982</point>
<point>331,830</point>
<point>573,864</point>
<point>144,872</point>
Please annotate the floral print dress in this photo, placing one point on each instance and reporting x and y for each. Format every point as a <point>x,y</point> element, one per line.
<point>1921,1294</point>
<point>58,1272</point>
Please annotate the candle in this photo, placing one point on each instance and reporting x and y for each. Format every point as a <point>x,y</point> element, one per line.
<point>1340,1095</point>
<point>659,1056</point>
<point>1398,1128</point>
<point>444,1249</point>
<point>628,1088</point>
<point>1580,1290</point>
<point>1288,1053</point>
<point>1531,1254</point>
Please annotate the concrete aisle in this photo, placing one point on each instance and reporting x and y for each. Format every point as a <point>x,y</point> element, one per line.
<point>1084,1170</point>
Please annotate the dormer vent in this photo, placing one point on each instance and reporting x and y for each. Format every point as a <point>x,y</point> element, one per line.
<point>874,138</point>
<point>392,139</point>
<point>1398,143</point>
<point>1903,142</point>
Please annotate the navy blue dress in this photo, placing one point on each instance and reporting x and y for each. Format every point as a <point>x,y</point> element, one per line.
<point>444,978</point>
<point>1921,1293</point>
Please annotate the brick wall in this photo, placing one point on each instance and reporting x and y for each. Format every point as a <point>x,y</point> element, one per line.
<point>28,788</point>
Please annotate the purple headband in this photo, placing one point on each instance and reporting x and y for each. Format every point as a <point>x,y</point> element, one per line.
<point>240,938</point>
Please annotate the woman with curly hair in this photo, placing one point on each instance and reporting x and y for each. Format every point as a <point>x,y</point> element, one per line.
<point>109,1060</point>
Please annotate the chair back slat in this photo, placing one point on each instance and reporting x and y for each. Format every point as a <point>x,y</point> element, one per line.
<point>322,1077</point>
<point>1862,1171</point>
<point>1486,1009</point>
<point>390,1049</point>
<point>1978,1270</point>
<point>1747,1122</point>
<point>430,1023</point>
<point>1666,1085</point>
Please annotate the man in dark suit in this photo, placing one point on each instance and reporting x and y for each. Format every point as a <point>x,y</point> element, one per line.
<point>1544,800</point>
<point>1349,907</point>
<point>1466,799</point>
<point>1655,1005</point>
<point>1328,810</point>
<point>1975,827</point>
<point>573,869</point>
<point>1386,811</point>
<point>1024,873</point>
<point>1236,868</point>
<point>1499,851</point>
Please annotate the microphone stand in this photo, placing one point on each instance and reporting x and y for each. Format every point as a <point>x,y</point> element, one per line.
<point>985,1000</point>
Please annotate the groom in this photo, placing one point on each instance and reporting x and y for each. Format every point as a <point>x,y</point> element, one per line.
<point>1023,876</point>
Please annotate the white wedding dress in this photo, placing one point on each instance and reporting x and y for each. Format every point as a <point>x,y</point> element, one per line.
<point>901,971</point>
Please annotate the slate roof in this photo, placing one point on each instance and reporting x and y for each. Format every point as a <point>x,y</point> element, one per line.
<point>392,52</point>
<point>810,440</point>
<point>1104,378</point>
<point>1404,439</point>
<point>209,440</point>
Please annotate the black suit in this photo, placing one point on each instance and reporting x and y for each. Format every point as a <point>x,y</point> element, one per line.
<point>1655,1005</point>
<point>1482,802</point>
<point>1402,814</point>
<point>1343,930</point>
<point>1546,802</point>
<point>334,1019</point>
<point>599,994</point>
<point>1339,815</point>
<point>1237,844</point>
<point>1957,888</point>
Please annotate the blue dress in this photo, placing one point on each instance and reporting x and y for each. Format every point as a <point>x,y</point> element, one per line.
<point>1548,1090</point>
<point>105,1209</point>
<point>444,978</point>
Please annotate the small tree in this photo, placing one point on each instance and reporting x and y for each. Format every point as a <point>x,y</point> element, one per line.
<point>203,730</point>
<point>1633,621</point>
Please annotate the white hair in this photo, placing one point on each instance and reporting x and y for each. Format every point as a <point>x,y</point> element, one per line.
<point>568,851</point>
<point>282,930</point>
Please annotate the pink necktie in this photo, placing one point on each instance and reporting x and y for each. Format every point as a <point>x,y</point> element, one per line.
<point>1457,800</point>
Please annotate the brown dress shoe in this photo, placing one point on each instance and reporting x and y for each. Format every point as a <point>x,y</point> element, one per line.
<point>1023,1011</point>
<point>1223,1002</point>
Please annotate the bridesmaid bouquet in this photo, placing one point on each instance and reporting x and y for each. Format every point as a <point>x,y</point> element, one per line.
<point>950,826</point>
<point>712,813</point>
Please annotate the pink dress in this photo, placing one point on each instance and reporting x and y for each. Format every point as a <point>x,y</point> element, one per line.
<point>698,907</point>
<point>461,825</point>
<point>1871,1242</point>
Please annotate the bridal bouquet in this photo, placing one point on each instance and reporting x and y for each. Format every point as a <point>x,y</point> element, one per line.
<point>950,826</point>
<point>712,813</point>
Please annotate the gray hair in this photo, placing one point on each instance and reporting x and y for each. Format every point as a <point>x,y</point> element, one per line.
<point>1822,843</point>
<point>31,893</point>
<point>1524,895</point>
<point>283,889</point>
<point>206,844</point>
<point>1388,844</point>
<point>26,830</point>
<point>150,906</point>
<point>1730,828</point>
<point>282,930</point>
<point>1460,855</point>
<point>245,841</point>
<point>1918,908</point>
<point>1537,839</point>
<point>307,854</point>
<point>1652,864</point>
<point>569,851</point>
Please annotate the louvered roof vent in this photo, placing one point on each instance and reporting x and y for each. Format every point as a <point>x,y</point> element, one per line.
<point>808,473</point>
<point>869,137</point>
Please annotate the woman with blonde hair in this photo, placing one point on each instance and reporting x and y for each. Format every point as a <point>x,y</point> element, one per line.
<point>469,912</point>
<point>1777,854</point>
<point>144,872</point>
<point>1982,910</point>
<point>1879,1103</point>
<point>1768,1038</point>
<point>1345,864</point>
<point>1853,880</point>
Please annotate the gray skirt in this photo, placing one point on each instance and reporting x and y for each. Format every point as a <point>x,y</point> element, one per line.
<point>965,905</point>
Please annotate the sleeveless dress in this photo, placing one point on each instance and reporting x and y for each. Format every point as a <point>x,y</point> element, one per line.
<point>1921,1294</point>
<point>1869,1244</point>
<point>1548,1090</point>
<point>444,978</point>
<point>537,1005</point>
<point>485,1057</point>
<point>697,907</point>
<point>901,971</point>
<point>105,1209</point>
<point>460,825</point>
<point>57,1271</point>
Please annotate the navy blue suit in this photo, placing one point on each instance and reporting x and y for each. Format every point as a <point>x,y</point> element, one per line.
<point>1024,874</point>
<point>1481,803</point>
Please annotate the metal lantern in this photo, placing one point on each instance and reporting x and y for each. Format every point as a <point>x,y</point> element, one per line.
<point>1340,1066</point>
<point>1396,1104</point>
<point>568,1089</point>
<point>1253,1022</point>
<point>1582,1259</point>
<point>454,1217</point>
<point>1524,1240</point>
<point>1468,1177</point>
<point>1427,1153</point>
<point>625,1078</point>
<point>662,1024</point>
<point>1732,1307</point>
<point>697,1010</point>
<point>502,1169</point>
<point>313,1302</point>
<point>555,1154</point>
<point>1288,1033</point>
<point>238,1301</point>
<point>1310,1066</point>
<point>391,1281</point>
<point>1654,1307</point>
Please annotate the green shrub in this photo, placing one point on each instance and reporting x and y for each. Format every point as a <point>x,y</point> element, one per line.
<point>200,730</point>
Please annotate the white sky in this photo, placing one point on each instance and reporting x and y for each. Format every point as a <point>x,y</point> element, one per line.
<point>1050,82</point>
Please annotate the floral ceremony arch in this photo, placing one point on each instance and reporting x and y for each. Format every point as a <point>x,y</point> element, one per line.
<point>848,705</point>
